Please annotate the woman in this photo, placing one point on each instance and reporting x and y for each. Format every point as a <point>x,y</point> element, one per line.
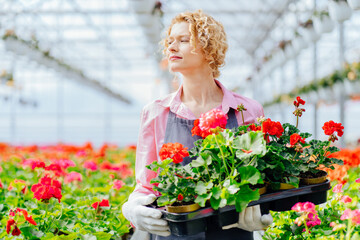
<point>195,46</point>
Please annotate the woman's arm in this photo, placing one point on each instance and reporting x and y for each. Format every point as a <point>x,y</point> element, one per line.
<point>145,154</point>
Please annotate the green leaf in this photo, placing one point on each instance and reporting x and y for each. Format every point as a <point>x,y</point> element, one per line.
<point>250,144</point>
<point>201,187</point>
<point>250,174</point>
<point>88,237</point>
<point>102,236</point>
<point>215,203</point>
<point>244,196</point>
<point>216,192</point>
<point>198,162</point>
<point>201,199</point>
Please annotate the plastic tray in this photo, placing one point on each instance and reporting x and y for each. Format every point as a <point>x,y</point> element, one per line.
<point>205,219</point>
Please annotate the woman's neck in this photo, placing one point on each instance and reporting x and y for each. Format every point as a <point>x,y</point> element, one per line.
<point>201,93</point>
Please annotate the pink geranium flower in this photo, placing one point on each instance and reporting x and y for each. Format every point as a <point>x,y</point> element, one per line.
<point>353,215</point>
<point>313,220</point>
<point>33,163</point>
<point>338,188</point>
<point>307,207</point>
<point>208,121</point>
<point>357,180</point>
<point>64,163</point>
<point>73,176</point>
<point>91,165</point>
<point>118,184</point>
<point>346,199</point>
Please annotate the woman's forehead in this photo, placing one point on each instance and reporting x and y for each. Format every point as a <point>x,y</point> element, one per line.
<point>180,29</point>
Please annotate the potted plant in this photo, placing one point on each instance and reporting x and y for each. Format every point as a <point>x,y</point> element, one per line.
<point>339,10</point>
<point>174,182</point>
<point>225,168</point>
<point>323,22</point>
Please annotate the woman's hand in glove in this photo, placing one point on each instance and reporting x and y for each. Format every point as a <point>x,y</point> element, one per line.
<point>145,218</point>
<point>251,220</point>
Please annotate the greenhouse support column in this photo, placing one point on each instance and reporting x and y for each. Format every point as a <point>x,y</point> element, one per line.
<point>107,82</point>
<point>13,118</point>
<point>281,91</point>
<point>342,94</point>
<point>60,114</point>
<point>316,102</point>
<point>315,77</point>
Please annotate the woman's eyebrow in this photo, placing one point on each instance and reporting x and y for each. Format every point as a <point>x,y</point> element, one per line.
<point>182,35</point>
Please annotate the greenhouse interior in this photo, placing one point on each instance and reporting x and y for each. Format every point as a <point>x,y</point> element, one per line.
<point>88,89</point>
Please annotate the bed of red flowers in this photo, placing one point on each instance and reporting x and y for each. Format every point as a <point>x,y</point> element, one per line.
<point>64,191</point>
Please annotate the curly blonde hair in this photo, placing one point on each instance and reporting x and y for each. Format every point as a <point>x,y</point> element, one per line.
<point>209,32</point>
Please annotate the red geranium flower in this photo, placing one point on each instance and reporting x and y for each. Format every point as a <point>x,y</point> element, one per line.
<point>25,214</point>
<point>46,189</point>
<point>331,127</point>
<point>9,223</point>
<point>103,203</point>
<point>180,197</point>
<point>295,138</point>
<point>255,128</point>
<point>299,101</point>
<point>272,128</point>
<point>56,169</point>
<point>175,151</point>
<point>16,231</point>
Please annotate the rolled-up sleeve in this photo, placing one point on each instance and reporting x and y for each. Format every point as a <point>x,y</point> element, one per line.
<point>145,154</point>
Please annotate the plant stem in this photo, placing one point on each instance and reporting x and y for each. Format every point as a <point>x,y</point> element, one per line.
<point>222,155</point>
<point>251,160</point>
<point>307,229</point>
<point>297,121</point>
<point>348,230</point>
<point>233,160</point>
<point>207,169</point>
<point>242,116</point>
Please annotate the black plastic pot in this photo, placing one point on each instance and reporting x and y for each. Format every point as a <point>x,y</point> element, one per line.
<point>208,219</point>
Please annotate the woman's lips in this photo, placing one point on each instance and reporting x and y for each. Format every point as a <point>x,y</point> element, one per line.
<point>172,58</point>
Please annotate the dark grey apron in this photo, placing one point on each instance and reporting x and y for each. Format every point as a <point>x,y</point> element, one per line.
<point>179,130</point>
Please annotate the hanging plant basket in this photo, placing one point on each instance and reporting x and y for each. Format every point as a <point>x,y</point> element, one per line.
<point>290,51</point>
<point>339,11</point>
<point>310,34</point>
<point>141,6</point>
<point>323,24</point>
<point>354,4</point>
<point>299,44</point>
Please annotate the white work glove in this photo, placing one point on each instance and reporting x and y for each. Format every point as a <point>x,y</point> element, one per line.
<point>251,220</point>
<point>145,218</point>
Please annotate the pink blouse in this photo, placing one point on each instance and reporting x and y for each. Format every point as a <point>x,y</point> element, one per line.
<point>153,126</point>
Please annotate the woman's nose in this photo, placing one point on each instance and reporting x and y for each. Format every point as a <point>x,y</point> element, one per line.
<point>173,47</point>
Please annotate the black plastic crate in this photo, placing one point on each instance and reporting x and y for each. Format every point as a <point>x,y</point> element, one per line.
<point>207,219</point>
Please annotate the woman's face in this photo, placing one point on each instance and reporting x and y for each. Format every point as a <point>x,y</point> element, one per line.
<point>179,51</point>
